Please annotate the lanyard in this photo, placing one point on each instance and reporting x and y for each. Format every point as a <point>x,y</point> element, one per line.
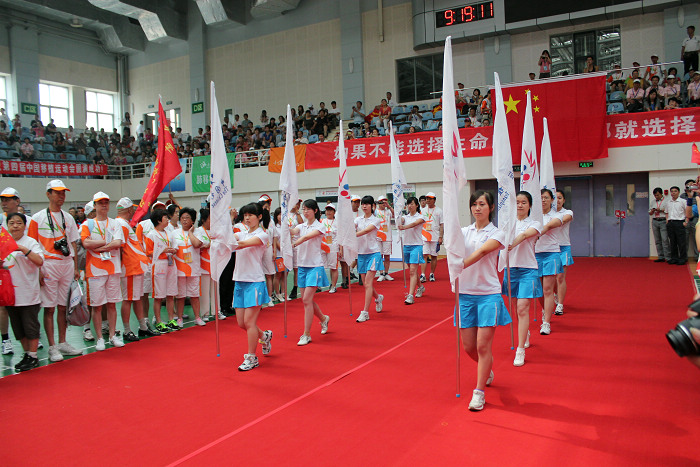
<point>97,223</point>
<point>186,239</point>
<point>50,220</point>
<point>329,227</point>
<point>165,240</point>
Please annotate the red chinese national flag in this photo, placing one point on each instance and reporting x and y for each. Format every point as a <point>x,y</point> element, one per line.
<point>695,157</point>
<point>166,168</point>
<point>575,111</point>
<point>7,243</point>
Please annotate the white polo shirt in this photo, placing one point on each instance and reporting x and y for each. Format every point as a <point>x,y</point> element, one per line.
<point>562,233</point>
<point>691,44</point>
<point>413,235</point>
<point>661,205</point>
<point>481,278</point>
<point>368,243</point>
<point>548,243</point>
<point>249,260</point>
<point>523,255</point>
<point>309,252</point>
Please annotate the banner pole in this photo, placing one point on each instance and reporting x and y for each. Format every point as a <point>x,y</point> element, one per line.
<point>403,263</point>
<point>350,289</point>
<point>458,321</point>
<point>286,299</point>
<point>510,302</point>
<point>216,318</point>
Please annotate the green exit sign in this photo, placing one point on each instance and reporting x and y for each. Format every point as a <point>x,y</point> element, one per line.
<point>31,109</point>
<point>585,165</point>
<point>198,107</point>
<point>516,168</point>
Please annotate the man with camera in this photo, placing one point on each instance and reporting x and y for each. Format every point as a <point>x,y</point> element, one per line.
<point>57,233</point>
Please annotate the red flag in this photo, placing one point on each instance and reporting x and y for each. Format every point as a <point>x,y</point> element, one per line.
<point>575,111</point>
<point>166,168</point>
<point>7,243</point>
<point>695,158</point>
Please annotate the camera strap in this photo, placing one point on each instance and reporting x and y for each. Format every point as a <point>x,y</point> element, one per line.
<point>49,218</point>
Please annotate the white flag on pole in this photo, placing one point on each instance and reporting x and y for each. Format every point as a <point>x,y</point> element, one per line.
<point>547,175</point>
<point>289,191</point>
<point>502,169</point>
<point>398,178</point>
<point>454,175</point>
<point>345,217</point>
<point>223,242</point>
<point>529,171</point>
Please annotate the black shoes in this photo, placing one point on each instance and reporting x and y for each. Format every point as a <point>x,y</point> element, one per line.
<point>27,363</point>
<point>660,260</point>
<point>147,333</point>
<point>130,337</point>
<point>293,293</point>
<point>344,284</point>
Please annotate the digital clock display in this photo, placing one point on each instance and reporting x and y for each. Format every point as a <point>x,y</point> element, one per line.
<point>463,15</point>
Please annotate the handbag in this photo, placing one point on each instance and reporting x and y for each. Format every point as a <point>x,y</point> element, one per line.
<point>77,311</point>
<point>7,289</point>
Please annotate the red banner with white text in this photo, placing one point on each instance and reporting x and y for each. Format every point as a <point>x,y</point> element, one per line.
<point>660,127</point>
<point>52,169</point>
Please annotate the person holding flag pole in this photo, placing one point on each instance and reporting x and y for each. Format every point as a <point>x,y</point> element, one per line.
<point>412,247</point>
<point>398,181</point>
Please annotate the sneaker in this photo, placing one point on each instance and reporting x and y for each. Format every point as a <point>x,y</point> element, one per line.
<point>545,329</point>
<point>250,361</point>
<point>364,316</point>
<point>29,363</point>
<point>100,344</point>
<point>266,342</point>
<point>148,332</point>
<point>432,277</point>
<point>419,291</point>
<point>185,315</point>
<point>66,349</point>
<point>172,325</point>
<point>199,322</point>
<point>55,355</point>
<point>527,341</point>
<point>559,310</point>
<point>409,299</point>
<point>380,278</point>
<point>180,323</point>
<point>324,325</point>
<point>378,303</point>
<point>332,290</point>
<point>87,335</point>
<point>478,401</point>
<point>352,276</point>
<point>7,347</point>
<point>41,346</point>
<point>105,330</point>
<point>304,339</point>
<point>270,303</point>
<point>293,293</point>
<point>161,328</point>
<point>519,357</point>
<point>344,285</point>
<point>422,277</point>
<point>222,316</point>
<point>130,337</point>
<point>387,277</point>
<point>489,380</point>
<point>116,341</point>
<point>21,362</point>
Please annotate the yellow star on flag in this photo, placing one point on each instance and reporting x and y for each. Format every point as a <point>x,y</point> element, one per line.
<point>527,91</point>
<point>535,98</point>
<point>537,109</point>
<point>511,104</point>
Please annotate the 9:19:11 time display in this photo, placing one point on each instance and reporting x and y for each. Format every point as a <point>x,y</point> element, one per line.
<point>465,14</point>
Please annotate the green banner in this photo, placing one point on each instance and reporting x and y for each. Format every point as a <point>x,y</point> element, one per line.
<point>30,109</point>
<point>201,169</point>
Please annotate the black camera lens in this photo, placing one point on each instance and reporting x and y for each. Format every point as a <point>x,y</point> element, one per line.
<point>681,340</point>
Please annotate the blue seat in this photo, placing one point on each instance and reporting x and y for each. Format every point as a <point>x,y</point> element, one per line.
<point>617,96</point>
<point>49,156</point>
<point>48,138</point>
<point>375,121</point>
<point>438,115</point>
<point>71,157</point>
<point>461,122</point>
<point>382,131</point>
<point>306,133</point>
<point>91,150</point>
<point>3,154</point>
<point>38,147</point>
<point>427,115</point>
<point>48,147</point>
<point>3,144</point>
<point>81,157</point>
<point>432,125</point>
<point>404,128</point>
<point>422,107</point>
<point>129,159</point>
<point>616,108</point>
<point>401,118</point>
<point>313,139</point>
<point>398,110</point>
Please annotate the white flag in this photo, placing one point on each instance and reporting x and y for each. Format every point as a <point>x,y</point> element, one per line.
<point>344,216</point>
<point>502,169</point>
<point>289,191</point>
<point>454,175</point>
<point>529,171</point>
<point>547,175</point>
<point>223,242</point>
<point>398,178</point>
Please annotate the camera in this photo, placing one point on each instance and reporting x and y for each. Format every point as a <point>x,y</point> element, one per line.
<point>680,339</point>
<point>62,246</point>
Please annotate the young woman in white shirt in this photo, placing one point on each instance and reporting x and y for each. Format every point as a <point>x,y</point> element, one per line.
<point>207,285</point>
<point>564,250</point>
<point>548,259</point>
<point>369,259</point>
<point>481,306</point>
<point>329,247</point>
<point>251,290</point>
<point>411,226</point>
<point>312,275</point>
<point>160,249</point>
<point>280,276</point>
<point>268,260</point>
<point>524,278</point>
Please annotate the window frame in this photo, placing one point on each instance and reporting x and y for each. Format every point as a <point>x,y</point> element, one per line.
<point>100,112</point>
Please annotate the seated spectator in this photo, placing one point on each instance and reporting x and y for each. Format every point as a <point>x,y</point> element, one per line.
<point>629,82</point>
<point>532,76</point>
<point>27,150</point>
<point>635,96</point>
<point>673,103</point>
<point>207,149</point>
<point>264,119</point>
<point>311,109</point>
<point>267,136</point>
<point>14,140</point>
<point>115,137</point>
<point>349,135</point>
<point>51,128</point>
<point>59,143</point>
<point>321,138</point>
<point>672,89</point>
<point>242,144</point>
<point>16,122</point>
<point>80,144</point>
<point>148,136</point>
<point>411,129</point>
<point>461,96</point>
<point>98,158</point>
<point>654,69</point>
<point>35,122</point>
<point>178,135</point>
<point>475,100</point>
<point>207,133</point>
<point>415,118</point>
<point>654,86</point>
<point>389,101</point>
<point>282,125</point>
<point>590,66</point>
<point>308,121</point>
<point>320,126</point>
<point>70,135</point>
<point>366,131</point>
<point>197,151</point>
<point>301,139</point>
<point>90,134</point>
<point>199,136</point>
<point>236,121</point>
<point>257,139</point>
<point>485,122</point>
<point>357,115</point>
<point>245,123</point>
<point>4,131</point>
<point>118,158</point>
<point>272,124</point>
<point>187,151</point>
<point>334,114</point>
<point>616,78</point>
<point>486,105</point>
<point>374,134</point>
<point>38,131</point>
<point>694,89</point>
<point>473,118</point>
<point>653,101</point>
<point>384,113</point>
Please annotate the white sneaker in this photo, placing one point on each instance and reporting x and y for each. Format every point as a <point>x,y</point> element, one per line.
<point>478,401</point>
<point>250,361</point>
<point>519,357</point>
<point>270,303</point>
<point>559,310</point>
<point>116,341</point>
<point>55,355</point>
<point>422,277</point>
<point>432,278</point>
<point>66,349</point>
<point>378,303</point>
<point>380,277</point>
<point>222,316</point>
<point>364,316</point>
<point>280,297</point>
<point>387,277</point>
<point>180,323</point>
<point>419,291</point>
<point>527,341</point>
<point>87,335</point>
<point>304,339</point>
<point>490,379</point>
<point>332,290</point>
<point>324,325</point>
<point>40,346</point>
<point>99,345</point>
<point>7,347</point>
<point>409,299</point>
<point>199,322</point>
<point>545,329</point>
<point>266,342</point>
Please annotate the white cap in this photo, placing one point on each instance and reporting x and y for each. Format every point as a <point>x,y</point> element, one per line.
<point>100,195</point>
<point>125,203</point>
<point>56,185</point>
<point>382,198</point>
<point>264,198</point>
<point>310,106</point>
<point>89,207</point>
<point>671,76</point>
<point>655,55</point>
<point>637,80</point>
<point>430,195</point>
<point>355,198</point>
<point>330,206</point>
<point>9,192</point>
<point>157,203</point>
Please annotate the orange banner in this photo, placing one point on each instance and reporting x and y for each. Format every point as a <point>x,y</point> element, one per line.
<point>277,156</point>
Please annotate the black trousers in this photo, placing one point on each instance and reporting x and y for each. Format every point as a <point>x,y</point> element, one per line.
<point>690,62</point>
<point>676,240</point>
<point>226,285</point>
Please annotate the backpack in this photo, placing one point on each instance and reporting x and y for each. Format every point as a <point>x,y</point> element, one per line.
<point>77,311</point>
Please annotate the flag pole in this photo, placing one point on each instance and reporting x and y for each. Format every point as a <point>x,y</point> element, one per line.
<point>458,316</point>
<point>286,299</point>
<point>216,317</point>
<point>510,301</point>
<point>403,263</point>
<point>350,289</point>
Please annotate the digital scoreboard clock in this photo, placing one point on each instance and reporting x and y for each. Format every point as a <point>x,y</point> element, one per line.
<point>463,15</point>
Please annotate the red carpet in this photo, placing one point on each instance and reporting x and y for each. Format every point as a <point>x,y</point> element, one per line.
<point>603,388</point>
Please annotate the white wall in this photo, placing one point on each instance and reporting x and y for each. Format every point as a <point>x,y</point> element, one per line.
<point>5,60</point>
<point>78,74</point>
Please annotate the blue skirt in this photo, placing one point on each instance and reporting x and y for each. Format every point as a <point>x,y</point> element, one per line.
<point>548,264</point>
<point>482,311</point>
<point>565,255</point>
<point>369,262</point>
<point>250,294</point>
<point>524,283</point>
<point>413,254</point>
<point>312,277</point>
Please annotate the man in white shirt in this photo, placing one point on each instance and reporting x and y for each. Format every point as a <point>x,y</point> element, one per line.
<point>433,225</point>
<point>390,102</point>
<point>677,210</point>
<point>689,51</point>
<point>140,130</point>
<point>658,208</point>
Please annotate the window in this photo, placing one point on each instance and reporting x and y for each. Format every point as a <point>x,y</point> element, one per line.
<point>100,110</point>
<point>569,51</point>
<point>419,77</point>
<point>54,103</point>
<point>3,93</point>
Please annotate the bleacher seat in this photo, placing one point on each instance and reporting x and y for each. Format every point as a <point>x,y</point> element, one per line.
<point>382,132</point>
<point>91,150</point>
<point>3,154</point>
<point>48,138</point>
<point>49,156</point>
<point>616,108</point>
<point>398,110</point>
<point>438,115</point>
<point>461,122</point>
<point>617,96</point>
<point>37,147</point>
<point>423,108</point>
<point>404,128</point>
<point>3,144</point>
<point>48,147</point>
<point>427,116</point>
<point>81,158</point>
<point>306,133</point>
<point>432,125</point>
<point>71,157</point>
<point>375,121</point>
<point>129,159</point>
<point>401,118</point>
<point>313,139</point>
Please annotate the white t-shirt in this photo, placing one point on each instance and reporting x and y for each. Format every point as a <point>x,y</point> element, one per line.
<point>249,260</point>
<point>413,235</point>
<point>24,273</point>
<point>187,258</point>
<point>368,243</point>
<point>204,257</point>
<point>691,44</point>
<point>330,232</point>
<point>562,233</point>
<point>481,278</point>
<point>40,230</point>
<point>101,264</point>
<point>433,221</point>
<point>548,243</point>
<point>385,222</point>
<point>523,255</point>
<point>309,252</point>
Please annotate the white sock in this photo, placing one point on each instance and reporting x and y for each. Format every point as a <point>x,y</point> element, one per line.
<point>143,324</point>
